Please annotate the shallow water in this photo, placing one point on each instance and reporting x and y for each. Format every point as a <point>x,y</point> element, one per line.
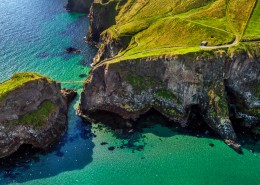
<point>33,36</point>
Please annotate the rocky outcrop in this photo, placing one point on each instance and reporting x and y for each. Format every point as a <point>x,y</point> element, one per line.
<point>33,112</point>
<point>82,6</point>
<point>102,15</point>
<point>69,95</point>
<point>173,85</point>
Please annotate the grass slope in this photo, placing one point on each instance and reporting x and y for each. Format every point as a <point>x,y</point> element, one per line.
<point>39,117</point>
<point>176,26</point>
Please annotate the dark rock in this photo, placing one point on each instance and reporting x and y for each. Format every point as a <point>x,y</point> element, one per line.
<point>81,6</point>
<point>83,75</point>
<point>211,144</point>
<point>101,16</point>
<point>72,50</point>
<point>68,94</point>
<point>111,148</point>
<point>103,143</point>
<point>234,145</point>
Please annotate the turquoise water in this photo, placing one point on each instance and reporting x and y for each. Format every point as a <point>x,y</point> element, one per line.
<point>33,36</point>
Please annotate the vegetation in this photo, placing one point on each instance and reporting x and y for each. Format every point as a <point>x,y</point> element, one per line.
<point>18,80</point>
<point>178,27</point>
<point>173,113</point>
<point>217,100</point>
<point>253,28</point>
<point>37,118</point>
<point>166,94</point>
<point>140,83</point>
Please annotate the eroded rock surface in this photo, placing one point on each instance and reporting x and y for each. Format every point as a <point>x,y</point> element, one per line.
<point>173,85</point>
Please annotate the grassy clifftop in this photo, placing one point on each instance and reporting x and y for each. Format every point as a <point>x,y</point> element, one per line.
<point>18,80</point>
<point>176,26</point>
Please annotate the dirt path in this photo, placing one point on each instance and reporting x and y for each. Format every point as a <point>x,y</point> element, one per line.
<point>236,41</point>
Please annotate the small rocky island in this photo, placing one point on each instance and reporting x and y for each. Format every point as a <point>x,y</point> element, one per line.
<point>33,110</point>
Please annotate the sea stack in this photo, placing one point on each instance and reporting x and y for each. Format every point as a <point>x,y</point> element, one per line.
<point>33,110</point>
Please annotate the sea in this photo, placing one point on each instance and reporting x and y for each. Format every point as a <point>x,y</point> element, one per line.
<point>33,37</point>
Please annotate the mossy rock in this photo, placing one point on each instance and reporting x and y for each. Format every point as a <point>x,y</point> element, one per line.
<point>37,118</point>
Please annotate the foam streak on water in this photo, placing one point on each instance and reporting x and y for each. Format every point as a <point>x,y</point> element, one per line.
<point>33,36</point>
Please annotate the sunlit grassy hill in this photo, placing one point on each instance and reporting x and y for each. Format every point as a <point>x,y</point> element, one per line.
<point>156,27</point>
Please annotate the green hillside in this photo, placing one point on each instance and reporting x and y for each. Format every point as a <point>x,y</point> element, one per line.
<point>176,26</point>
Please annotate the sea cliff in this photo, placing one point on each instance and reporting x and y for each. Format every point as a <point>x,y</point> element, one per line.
<point>131,75</point>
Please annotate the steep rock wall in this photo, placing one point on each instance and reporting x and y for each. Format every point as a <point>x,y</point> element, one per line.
<point>82,6</point>
<point>172,85</point>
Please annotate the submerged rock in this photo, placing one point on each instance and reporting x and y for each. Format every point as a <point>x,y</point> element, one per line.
<point>72,50</point>
<point>32,111</point>
<point>111,148</point>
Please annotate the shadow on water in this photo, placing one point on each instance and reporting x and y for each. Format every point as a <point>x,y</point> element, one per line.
<point>132,134</point>
<point>74,151</point>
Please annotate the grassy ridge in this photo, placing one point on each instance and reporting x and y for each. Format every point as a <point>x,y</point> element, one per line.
<point>16,81</point>
<point>177,26</point>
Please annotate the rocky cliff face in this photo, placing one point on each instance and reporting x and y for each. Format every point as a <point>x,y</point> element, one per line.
<point>102,16</point>
<point>222,84</point>
<point>34,113</point>
<point>81,6</point>
<point>173,85</point>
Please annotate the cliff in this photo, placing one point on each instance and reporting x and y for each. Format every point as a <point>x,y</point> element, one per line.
<point>81,6</point>
<point>150,58</point>
<point>32,111</point>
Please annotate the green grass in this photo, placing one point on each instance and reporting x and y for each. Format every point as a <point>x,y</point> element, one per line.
<point>37,118</point>
<point>238,15</point>
<point>253,29</point>
<point>177,27</point>
<point>18,80</point>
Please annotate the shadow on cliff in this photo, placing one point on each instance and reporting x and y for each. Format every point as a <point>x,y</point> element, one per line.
<point>73,152</point>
